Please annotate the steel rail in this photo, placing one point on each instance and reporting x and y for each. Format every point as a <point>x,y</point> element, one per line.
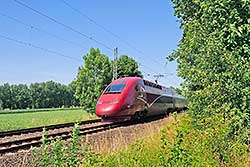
<point>27,143</point>
<point>40,129</point>
<point>22,144</point>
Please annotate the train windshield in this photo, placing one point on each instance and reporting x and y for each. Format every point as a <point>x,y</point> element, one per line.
<point>115,88</point>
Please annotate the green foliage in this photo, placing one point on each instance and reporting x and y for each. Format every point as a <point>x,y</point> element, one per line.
<point>44,154</point>
<point>92,78</point>
<point>37,95</point>
<point>20,95</point>
<point>128,67</point>
<point>178,154</point>
<point>50,94</point>
<point>59,153</point>
<point>185,145</point>
<point>179,144</point>
<point>214,60</point>
<point>1,104</point>
<point>72,90</point>
<point>141,153</point>
<point>5,96</point>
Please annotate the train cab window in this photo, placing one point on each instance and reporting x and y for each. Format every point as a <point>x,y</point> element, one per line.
<point>115,88</point>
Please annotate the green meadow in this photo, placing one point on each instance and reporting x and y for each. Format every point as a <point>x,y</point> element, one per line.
<point>29,118</point>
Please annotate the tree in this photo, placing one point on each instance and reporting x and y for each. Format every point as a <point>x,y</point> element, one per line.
<point>92,78</point>
<point>20,96</point>
<point>6,97</point>
<point>214,60</point>
<point>37,95</point>
<point>72,90</point>
<point>1,104</point>
<point>23,98</point>
<point>128,67</point>
<point>1,98</point>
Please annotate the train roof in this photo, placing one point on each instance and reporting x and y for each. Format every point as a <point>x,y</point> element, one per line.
<point>146,82</point>
<point>155,88</point>
<point>126,79</point>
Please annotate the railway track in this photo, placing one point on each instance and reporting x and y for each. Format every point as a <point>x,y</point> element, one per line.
<point>40,129</point>
<point>27,138</point>
<point>13,141</point>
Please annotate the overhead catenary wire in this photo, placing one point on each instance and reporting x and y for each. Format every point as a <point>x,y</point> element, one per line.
<point>63,25</point>
<point>149,68</point>
<point>48,50</point>
<point>76,31</point>
<point>38,47</point>
<point>105,29</point>
<point>40,30</point>
<point>99,25</point>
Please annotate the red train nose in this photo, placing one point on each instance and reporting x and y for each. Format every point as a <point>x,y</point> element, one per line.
<point>107,109</point>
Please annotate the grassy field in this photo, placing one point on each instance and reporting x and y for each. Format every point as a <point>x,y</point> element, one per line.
<point>33,119</point>
<point>17,111</point>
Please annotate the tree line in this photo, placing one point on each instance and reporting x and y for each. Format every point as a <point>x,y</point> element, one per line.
<point>214,59</point>
<point>93,76</point>
<point>36,95</point>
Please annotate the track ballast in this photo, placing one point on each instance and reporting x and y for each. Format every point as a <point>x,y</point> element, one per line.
<point>16,142</point>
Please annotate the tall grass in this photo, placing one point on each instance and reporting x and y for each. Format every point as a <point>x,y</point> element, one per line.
<point>61,153</point>
<point>178,144</point>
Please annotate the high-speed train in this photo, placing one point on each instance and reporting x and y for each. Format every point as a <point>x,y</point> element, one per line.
<point>133,97</point>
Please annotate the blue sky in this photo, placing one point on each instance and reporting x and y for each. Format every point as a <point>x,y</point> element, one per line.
<point>148,25</point>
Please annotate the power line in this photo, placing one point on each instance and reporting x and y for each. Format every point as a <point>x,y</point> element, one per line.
<point>51,51</point>
<point>38,47</point>
<point>99,25</point>
<point>78,32</point>
<point>105,29</point>
<point>151,70</point>
<point>63,25</point>
<point>39,29</point>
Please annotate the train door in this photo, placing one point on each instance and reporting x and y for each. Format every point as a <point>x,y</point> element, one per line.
<point>140,102</point>
<point>140,97</point>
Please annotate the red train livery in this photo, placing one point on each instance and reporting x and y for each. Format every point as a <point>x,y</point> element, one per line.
<point>133,98</point>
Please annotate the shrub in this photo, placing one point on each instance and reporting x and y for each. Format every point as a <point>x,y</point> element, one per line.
<point>61,153</point>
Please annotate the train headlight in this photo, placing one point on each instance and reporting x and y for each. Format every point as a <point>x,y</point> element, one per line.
<point>114,101</point>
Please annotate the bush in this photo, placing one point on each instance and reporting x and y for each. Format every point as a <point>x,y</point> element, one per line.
<point>61,153</point>
<point>191,146</point>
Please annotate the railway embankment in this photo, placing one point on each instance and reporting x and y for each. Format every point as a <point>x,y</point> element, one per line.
<point>120,138</point>
<point>107,141</point>
<point>172,141</point>
<point>179,143</point>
